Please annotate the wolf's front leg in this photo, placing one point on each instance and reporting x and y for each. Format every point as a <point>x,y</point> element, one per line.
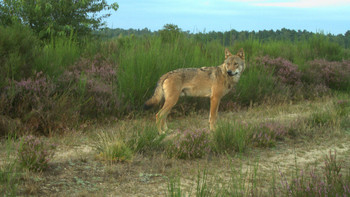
<point>214,106</point>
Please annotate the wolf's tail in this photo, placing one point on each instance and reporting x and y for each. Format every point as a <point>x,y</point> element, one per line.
<point>156,98</point>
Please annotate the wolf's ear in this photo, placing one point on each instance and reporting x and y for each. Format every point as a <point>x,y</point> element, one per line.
<point>241,54</point>
<point>227,53</point>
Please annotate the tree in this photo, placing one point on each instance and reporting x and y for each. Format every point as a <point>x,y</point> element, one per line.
<point>170,33</point>
<point>57,17</point>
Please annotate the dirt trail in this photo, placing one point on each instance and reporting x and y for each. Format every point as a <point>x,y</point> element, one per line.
<point>145,177</point>
<point>306,155</point>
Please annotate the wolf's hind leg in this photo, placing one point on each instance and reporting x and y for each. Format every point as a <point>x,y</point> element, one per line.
<point>171,96</point>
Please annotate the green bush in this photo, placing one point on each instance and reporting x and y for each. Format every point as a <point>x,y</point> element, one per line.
<point>18,49</point>
<point>323,48</point>
<point>255,85</point>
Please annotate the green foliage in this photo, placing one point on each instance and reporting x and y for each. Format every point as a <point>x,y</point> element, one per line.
<point>231,137</point>
<point>92,79</point>
<point>34,154</point>
<point>9,176</point>
<point>255,85</point>
<point>52,17</point>
<point>8,180</point>
<point>174,188</point>
<point>56,56</point>
<point>322,47</point>
<point>323,118</point>
<point>342,107</point>
<point>203,186</point>
<point>170,33</point>
<point>18,49</point>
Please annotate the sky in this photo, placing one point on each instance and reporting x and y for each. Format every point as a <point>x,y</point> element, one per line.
<point>327,16</point>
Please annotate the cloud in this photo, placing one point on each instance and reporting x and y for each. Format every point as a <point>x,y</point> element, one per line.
<point>296,3</point>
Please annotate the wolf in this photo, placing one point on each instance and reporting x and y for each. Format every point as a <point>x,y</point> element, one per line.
<point>213,82</point>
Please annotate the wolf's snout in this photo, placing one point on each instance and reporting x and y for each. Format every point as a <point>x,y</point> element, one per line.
<point>231,73</point>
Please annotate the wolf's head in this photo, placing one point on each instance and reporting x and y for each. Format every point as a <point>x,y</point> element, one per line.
<point>234,64</point>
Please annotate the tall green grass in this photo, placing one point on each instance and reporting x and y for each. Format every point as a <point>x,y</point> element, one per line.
<point>79,68</point>
<point>254,85</point>
<point>57,55</point>
<point>145,139</point>
<point>9,174</point>
<point>143,61</point>
<point>319,46</point>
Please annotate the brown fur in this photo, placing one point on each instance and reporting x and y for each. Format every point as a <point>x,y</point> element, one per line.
<point>212,82</point>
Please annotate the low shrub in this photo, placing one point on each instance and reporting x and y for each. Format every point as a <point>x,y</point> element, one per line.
<point>335,75</point>
<point>266,134</point>
<point>92,82</point>
<point>190,144</point>
<point>38,105</point>
<point>34,153</point>
<point>285,71</point>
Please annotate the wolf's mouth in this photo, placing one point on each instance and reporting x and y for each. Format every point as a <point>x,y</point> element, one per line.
<point>230,73</point>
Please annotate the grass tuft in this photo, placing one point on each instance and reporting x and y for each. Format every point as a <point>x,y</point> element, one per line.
<point>111,148</point>
<point>146,139</point>
<point>230,137</point>
<point>34,153</point>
